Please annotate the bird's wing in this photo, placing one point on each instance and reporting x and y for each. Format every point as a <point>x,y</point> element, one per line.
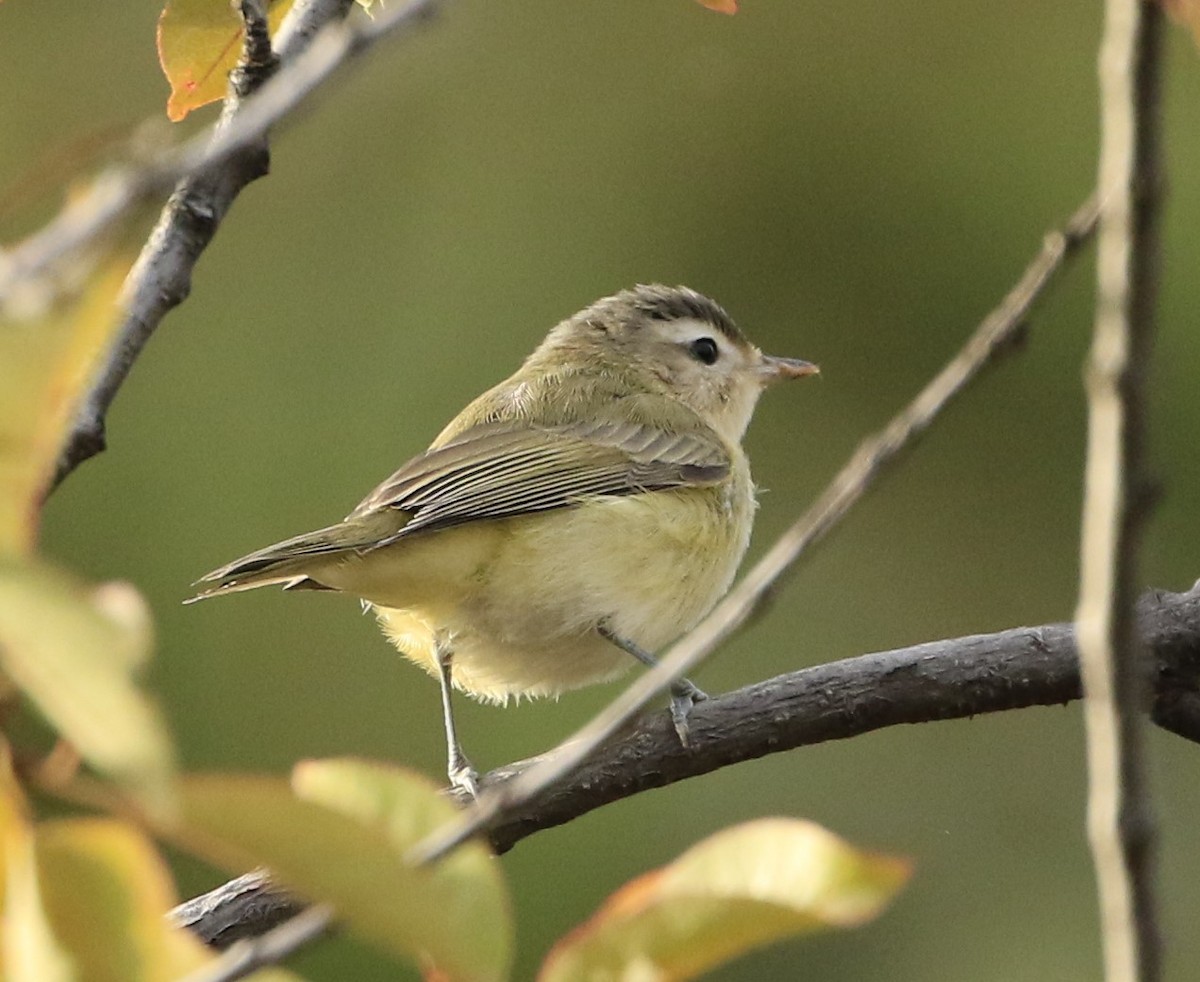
<point>499,470</point>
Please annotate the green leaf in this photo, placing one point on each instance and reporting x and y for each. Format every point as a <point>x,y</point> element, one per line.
<point>737,890</point>
<point>72,653</point>
<point>345,845</point>
<point>47,357</point>
<point>199,43</point>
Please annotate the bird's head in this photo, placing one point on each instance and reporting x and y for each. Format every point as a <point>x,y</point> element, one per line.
<point>677,341</point>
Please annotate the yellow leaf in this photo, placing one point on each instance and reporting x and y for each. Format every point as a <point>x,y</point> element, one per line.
<point>721,6</point>
<point>348,852</point>
<point>199,42</point>
<point>1186,11</point>
<point>73,658</point>
<point>45,363</point>
<point>14,821</point>
<point>739,889</point>
<point>14,809</point>
<point>29,951</point>
<point>107,891</point>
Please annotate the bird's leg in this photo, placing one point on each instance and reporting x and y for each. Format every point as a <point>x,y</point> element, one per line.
<point>458,768</point>
<point>684,694</point>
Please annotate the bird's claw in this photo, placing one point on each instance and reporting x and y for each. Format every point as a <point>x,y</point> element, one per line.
<point>463,777</point>
<point>684,695</point>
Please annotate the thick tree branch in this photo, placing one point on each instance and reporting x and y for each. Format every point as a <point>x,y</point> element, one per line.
<point>873,456</point>
<point>1121,821</point>
<point>953,679</point>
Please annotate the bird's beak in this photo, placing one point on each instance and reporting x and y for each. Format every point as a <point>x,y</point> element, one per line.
<point>772,369</point>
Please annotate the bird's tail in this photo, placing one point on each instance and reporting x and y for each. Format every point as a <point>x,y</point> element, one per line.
<point>294,561</point>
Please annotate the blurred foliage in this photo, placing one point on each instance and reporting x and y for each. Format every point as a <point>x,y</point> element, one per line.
<point>71,650</point>
<point>84,898</point>
<point>858,184</point>
<point>51,341</point>
<point>738,889</point>
<point>341,838</point>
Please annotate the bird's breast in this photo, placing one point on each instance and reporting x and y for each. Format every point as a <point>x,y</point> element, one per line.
<point>648,565</point>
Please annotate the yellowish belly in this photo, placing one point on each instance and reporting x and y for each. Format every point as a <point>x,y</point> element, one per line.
<point>518,600</point>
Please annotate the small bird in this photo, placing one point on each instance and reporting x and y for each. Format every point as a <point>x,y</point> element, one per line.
<point>593,506</point>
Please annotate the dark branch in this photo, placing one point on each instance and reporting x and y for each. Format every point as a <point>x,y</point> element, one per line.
<point>250,954</point>
<point>162,276</point>
<point>243,908</point>
<point>953,679</point>
<point>258,61</point>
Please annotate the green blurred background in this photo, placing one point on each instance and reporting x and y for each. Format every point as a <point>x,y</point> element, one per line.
<point>858,183</point>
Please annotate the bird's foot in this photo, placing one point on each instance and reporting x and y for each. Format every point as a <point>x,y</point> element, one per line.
<point>463,777</point>
<point>684,695</point>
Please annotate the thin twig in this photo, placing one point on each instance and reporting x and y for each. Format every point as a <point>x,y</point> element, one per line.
<point>996,331</point>
<point>115,192</point>
<point>251,954</point>
<point>952,679</point>
<point>258,61</point>
<point>1116,504</point>
<point>162,276</point>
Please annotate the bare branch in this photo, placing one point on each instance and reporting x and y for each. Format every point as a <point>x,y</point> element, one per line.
<point>997,331</point>
<point>1121,822</point>
<point>953,679</point>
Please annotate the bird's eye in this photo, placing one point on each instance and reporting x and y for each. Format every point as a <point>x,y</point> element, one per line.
<point>705,350</point>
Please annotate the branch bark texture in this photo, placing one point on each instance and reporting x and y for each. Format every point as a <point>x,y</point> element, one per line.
<point>952,679</point>
<point>1121,823</point>
<point>250,954</point>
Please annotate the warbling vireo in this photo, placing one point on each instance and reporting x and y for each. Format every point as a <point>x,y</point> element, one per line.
<point>592,506</point>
